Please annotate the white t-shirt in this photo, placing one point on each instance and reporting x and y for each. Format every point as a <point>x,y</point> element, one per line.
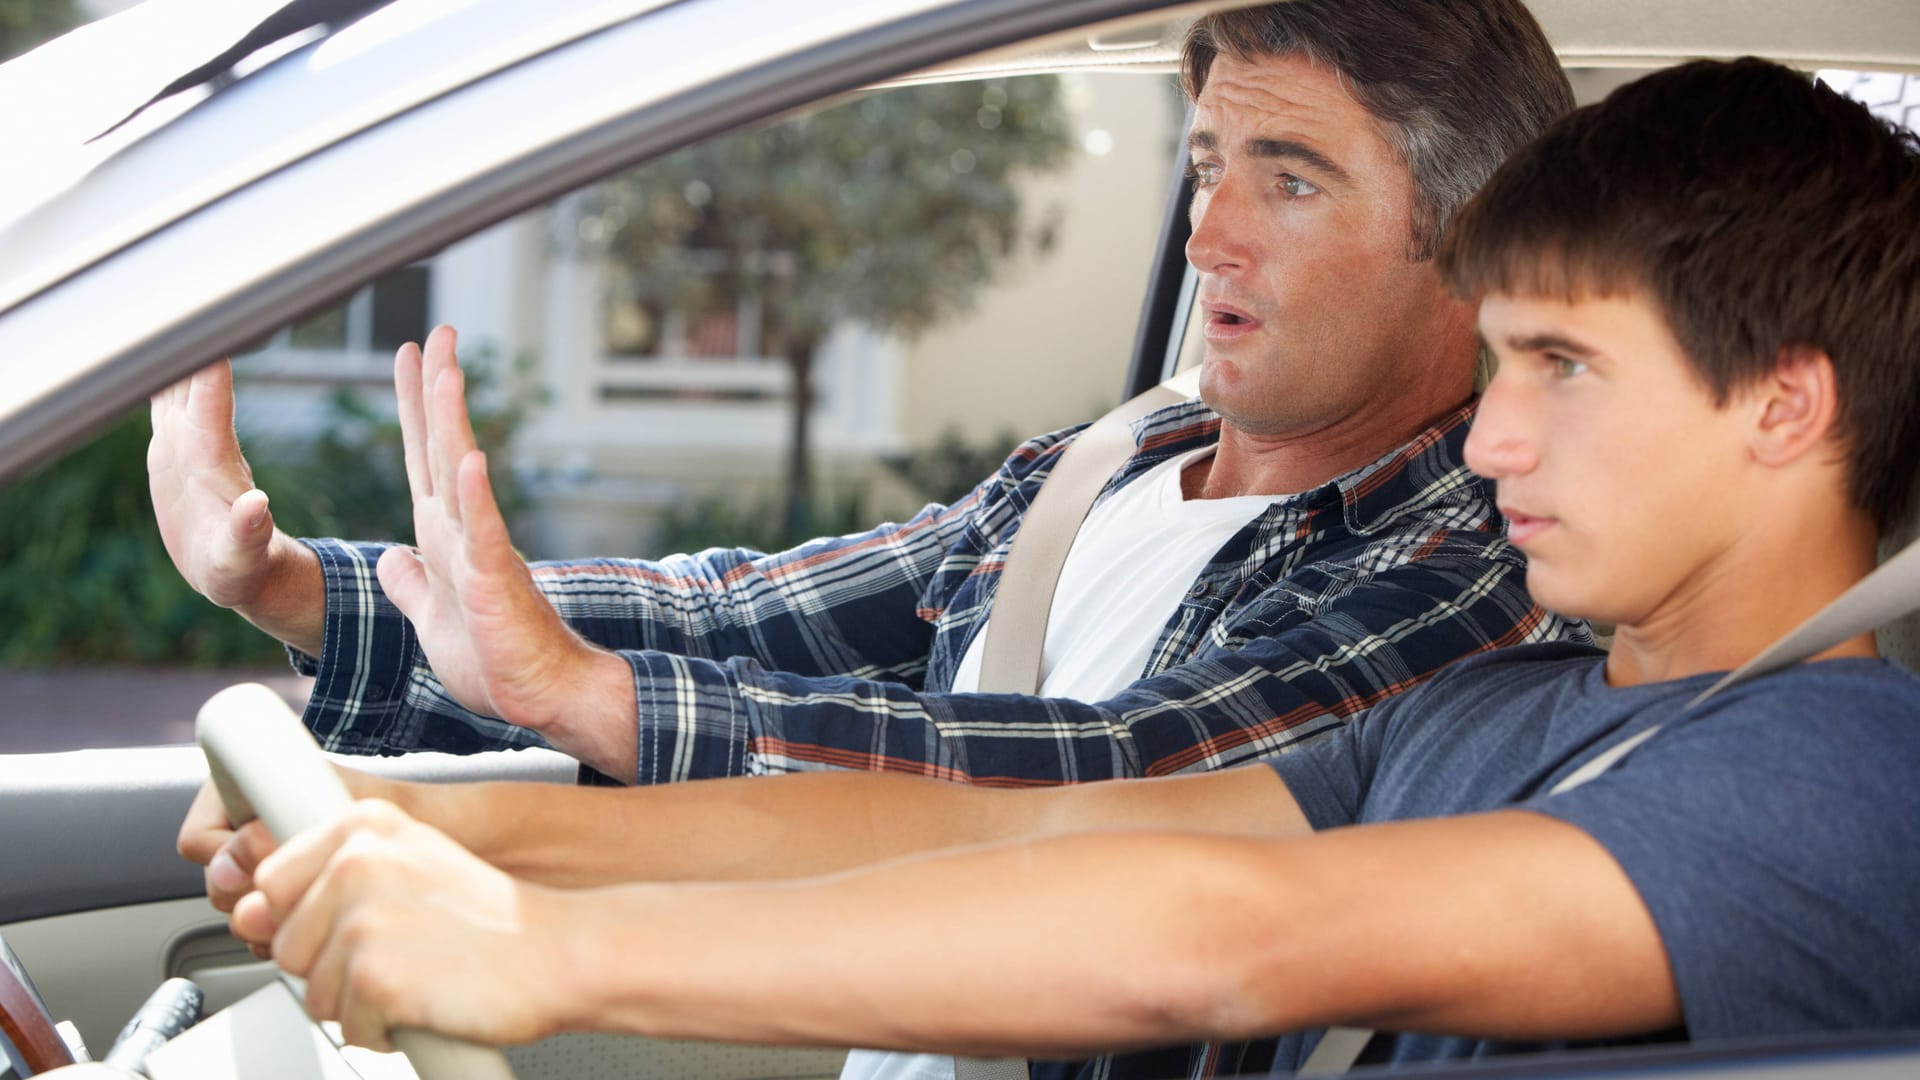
<point>1135,556</point>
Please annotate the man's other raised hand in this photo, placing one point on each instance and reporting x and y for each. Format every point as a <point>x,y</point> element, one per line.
<point>490,635</point>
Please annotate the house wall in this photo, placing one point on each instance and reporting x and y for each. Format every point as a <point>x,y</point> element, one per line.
<point>1048,346</point>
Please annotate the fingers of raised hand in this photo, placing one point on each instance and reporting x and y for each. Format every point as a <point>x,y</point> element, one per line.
<point>209,396</point>
<point>408,388</point>
<point>443,387</point>
<point>452,435</point>
<point>489,548</point>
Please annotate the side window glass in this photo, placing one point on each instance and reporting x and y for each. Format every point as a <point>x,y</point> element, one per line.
<point>806,327</point>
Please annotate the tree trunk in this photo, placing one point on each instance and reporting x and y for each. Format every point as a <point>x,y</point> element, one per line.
<point>797,503</point>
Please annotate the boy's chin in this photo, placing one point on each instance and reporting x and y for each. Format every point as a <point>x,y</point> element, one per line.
<point>1569,599</point>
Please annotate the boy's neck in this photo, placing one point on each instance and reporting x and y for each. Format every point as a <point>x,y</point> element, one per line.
<point>1747,601</point>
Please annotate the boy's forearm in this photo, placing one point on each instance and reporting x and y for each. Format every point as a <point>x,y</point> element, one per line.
<point>1099,957</point>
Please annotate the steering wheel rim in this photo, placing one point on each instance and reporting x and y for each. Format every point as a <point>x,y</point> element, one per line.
<point>266,765</point>
<point>24,1020</point>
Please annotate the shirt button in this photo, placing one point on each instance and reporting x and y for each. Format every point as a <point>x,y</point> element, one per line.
<point>1200,589</point>
<point>377,692</point>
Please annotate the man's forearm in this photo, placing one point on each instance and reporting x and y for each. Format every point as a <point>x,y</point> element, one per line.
<point>292,606</point>
<point>739,829</point>
<point>813,823</point>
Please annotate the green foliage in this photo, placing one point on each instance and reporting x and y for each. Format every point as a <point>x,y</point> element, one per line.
<point>943,472</point>
<point>755,521</point>
<point>84,577</point>
<point>951,467</point>
<point>352,481</point>
<point>26,23</point>
<point>892,208</point>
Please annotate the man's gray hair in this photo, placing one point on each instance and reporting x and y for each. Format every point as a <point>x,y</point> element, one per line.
<point>1456,85</point>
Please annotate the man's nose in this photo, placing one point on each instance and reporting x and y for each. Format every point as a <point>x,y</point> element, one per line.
<point>1218,241</point>
<point>1500,442</point>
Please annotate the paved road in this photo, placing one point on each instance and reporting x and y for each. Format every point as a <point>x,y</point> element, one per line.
<point>74,708</point>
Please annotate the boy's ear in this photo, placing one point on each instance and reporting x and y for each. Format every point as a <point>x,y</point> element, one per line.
<point>1795,406</point>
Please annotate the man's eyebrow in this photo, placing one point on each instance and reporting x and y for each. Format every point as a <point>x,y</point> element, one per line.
<point>1292,149</point>
<point>1298,151</point>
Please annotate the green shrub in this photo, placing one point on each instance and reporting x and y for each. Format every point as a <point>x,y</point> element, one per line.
<point>756,521</point>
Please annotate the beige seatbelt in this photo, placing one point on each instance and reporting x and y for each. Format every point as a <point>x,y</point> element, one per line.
<point>1889,592</point>
<point>1017,624</point>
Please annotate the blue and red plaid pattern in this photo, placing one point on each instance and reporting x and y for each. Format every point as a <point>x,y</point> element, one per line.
<point>838,654</point>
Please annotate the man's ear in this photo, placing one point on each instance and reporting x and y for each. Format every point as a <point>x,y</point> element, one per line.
<point>1794,407</point>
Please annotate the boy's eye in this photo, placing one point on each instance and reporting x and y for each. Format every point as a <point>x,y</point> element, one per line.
<point>1296,187</point>
<point>1564,368</point>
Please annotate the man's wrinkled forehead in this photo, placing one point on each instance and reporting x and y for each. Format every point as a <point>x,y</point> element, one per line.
<point>1286,108</point>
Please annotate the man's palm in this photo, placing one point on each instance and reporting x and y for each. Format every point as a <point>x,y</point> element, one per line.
<point>212,519</point>
<point>489,634</point>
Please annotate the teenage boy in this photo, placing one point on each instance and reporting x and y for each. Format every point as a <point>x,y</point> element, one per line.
<point>1703,294</point>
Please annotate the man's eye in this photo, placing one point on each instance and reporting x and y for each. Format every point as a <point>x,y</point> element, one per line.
<point>1204,173</point>
<point>1563,368</point>
<point>1296,187</point>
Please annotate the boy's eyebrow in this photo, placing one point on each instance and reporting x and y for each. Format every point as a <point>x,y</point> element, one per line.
<point>1547,342</point>
<point>1276,148</point>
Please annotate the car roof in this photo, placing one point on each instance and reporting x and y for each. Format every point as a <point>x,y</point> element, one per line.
<point>216,216</point>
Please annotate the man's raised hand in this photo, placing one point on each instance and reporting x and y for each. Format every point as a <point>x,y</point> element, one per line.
<point>488,632</point>
<point>215,522</point>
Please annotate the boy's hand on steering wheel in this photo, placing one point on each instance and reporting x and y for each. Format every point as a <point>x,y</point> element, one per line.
<point>393,924</point>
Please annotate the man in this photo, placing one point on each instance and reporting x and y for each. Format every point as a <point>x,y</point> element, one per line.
<point>1268,564</point>
<point>1703,294</point>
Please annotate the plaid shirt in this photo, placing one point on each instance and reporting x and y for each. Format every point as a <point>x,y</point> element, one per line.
<point>837,654</point>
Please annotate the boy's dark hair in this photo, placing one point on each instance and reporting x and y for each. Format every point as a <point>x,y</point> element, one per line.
<point>1456,85</point>
<point>1759,210</point>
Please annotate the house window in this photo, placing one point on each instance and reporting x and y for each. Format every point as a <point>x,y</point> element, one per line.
<point>361,334</point>
<point>707,338</point>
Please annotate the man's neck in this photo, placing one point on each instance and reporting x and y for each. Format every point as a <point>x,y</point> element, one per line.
<point>1727,615</point>
<point>1246,463</point>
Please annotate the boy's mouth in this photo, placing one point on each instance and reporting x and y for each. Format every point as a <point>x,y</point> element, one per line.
<point>1522,527</point>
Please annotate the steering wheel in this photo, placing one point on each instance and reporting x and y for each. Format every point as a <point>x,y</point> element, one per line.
<point>266,765</point>
<point>25,1024</point>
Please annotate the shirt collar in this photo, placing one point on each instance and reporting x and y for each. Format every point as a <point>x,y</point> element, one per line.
<point>1429,468</point>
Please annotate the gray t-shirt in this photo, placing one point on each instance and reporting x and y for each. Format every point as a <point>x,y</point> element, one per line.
<point>1773,832</point>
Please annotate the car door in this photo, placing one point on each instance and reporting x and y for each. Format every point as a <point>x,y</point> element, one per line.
<point>96,775</point>
<point>94,901</point>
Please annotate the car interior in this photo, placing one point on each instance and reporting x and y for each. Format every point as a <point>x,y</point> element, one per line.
<point>96,909</point>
